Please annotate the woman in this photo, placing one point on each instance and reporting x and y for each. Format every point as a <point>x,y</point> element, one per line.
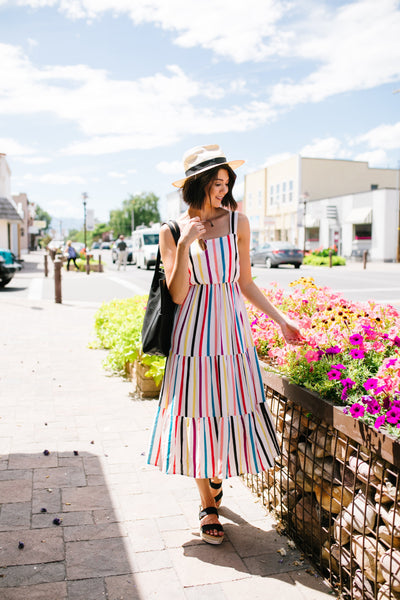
<point>70,253</point>
<point>212,421</point>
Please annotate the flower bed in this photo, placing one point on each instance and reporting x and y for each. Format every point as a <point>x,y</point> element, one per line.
<point>350,355</point>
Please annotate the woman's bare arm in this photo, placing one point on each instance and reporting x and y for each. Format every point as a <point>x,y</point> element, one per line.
<point>176,257</point>
<point>253,293</point>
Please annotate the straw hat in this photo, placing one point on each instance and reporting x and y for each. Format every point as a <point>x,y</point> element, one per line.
<point>202,158</point>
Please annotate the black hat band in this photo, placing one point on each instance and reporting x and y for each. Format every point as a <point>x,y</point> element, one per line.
<point>207,163</point>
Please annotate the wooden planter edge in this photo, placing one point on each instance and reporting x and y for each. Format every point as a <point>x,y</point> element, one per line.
<point>376,441</point>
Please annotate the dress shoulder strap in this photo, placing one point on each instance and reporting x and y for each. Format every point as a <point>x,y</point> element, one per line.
<point>234,220</point>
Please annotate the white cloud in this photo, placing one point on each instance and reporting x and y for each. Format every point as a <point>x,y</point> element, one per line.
<point>384,136</point>
<point>375,158</point>
<point>174,167</point>
<point>357,48</point>
<point>33,160</point>
<point>54,178</point>
<point>125,114</point>
<point>275,158</point>
<point>13,148</point>
<point>325,148</point>
<point>116,175</point>
<point>227,27</point>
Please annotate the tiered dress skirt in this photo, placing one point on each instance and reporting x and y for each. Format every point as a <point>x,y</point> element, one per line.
<point>212,419</point>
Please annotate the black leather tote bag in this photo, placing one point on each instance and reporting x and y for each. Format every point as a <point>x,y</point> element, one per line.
<point>160,311</point>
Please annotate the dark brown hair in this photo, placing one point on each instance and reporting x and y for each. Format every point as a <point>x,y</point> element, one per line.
<point>194,188</point>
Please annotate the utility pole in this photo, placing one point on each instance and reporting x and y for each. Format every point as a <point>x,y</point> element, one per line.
<point>398,224</point>
<point>84,199</point>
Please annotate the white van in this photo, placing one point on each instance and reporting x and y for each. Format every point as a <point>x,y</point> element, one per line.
<point>145,246</point>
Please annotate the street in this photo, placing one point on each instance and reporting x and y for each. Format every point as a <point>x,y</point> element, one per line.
<point>379,281</point>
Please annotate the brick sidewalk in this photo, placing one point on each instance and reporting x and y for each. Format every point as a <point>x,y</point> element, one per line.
<point>126,531</point>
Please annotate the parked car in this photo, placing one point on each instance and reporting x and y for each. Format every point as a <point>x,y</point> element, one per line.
<point>95,245</point>
<point>273,254</point>
<point>105,246</point>
<point>9,265</point>
<point>55,244</point>
<point>114,253</point>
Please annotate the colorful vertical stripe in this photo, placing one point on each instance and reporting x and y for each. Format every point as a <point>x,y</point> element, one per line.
<point>212,419</point>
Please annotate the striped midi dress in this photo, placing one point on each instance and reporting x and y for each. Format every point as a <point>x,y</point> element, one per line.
<point>212,419</point>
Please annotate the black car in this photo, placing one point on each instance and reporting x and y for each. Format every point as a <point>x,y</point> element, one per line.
<point>9,265</point>
<point>273,254</point>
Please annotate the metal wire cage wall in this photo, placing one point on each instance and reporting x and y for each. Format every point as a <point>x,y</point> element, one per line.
<point>336,489</point>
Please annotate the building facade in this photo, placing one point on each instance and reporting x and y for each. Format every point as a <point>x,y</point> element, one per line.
<point>10,219</point>
<point>278,200</point>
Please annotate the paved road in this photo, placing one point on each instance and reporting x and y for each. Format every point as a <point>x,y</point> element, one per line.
<point>379,281</point>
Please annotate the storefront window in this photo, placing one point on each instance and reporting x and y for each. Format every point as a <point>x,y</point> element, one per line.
<point>363,231</point>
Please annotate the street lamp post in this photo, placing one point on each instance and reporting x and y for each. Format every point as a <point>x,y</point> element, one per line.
<point>84,197</point>
<point>304,198</point>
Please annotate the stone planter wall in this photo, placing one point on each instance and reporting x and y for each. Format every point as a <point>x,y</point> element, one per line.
<point>336,489</point>
<point>144,386</point>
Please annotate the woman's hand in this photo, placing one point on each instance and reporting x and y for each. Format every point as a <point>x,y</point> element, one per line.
<point>193,229</point>
<point>291,332</point>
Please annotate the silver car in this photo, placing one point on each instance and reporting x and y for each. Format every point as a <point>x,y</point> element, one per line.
<point>273,254</point>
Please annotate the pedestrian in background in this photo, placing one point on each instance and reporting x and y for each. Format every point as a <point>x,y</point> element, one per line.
<point>122,252</point>
<point>71,254</point>
<point>213,421</point>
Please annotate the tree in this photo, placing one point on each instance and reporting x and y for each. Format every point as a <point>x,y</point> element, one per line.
<point>145,208</point>
<point>42,215</point>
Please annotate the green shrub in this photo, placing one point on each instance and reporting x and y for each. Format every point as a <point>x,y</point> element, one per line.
<point>322,261</point>
<point>118,327</point>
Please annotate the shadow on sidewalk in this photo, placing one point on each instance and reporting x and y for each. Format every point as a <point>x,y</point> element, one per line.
<point>259,553</point>
<point>59,531</point>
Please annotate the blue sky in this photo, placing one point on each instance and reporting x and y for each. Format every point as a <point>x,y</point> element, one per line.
<point>105,96</point>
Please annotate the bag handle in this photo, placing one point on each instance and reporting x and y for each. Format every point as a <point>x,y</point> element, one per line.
<point>176,232</point>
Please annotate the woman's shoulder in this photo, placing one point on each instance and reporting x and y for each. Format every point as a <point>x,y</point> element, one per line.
<point>242,219</point>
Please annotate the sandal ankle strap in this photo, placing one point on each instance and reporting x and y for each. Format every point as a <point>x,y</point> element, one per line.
<point>210,510</point>
<point>215,486</point>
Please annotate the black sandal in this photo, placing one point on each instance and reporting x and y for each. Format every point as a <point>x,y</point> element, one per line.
<point>204,529</point>
<point>218,497</point>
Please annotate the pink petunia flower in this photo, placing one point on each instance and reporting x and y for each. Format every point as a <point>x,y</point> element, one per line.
<point>348,383</point>
<point>393,415</point>
<point>373,407</point>
<point>334,374</point>
<point>379,422</point>
<point>333,350</point>
<point>356,339</point>
<point>357,410</point>
<point>371,384</point>
<point>356,354</point>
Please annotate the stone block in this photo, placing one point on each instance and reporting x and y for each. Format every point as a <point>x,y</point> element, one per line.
<point>86,589</point>
<point>15,516</point>
<point>33,461</point>
<point>86,498</point>
<point>221,563</point>
<point>97,558</point>
<point>32,574</point>
<point>19,490</point>
<point>40,547</point>
<point>58,477</point>
<point>44,591</point>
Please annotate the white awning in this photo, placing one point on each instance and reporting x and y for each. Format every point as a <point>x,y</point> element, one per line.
<point>311,221</point>
<point>363,214</point>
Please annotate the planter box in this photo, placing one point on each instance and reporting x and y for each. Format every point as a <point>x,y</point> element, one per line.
<point>336,489</point>
<point>145,386</point>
